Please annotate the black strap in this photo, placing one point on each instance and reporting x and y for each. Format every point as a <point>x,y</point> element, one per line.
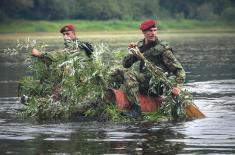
<point>88,48</point>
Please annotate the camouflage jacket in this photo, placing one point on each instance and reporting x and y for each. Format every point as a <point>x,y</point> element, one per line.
<point>79,45</point>
<point>83,49</point>
<point>161,55</point>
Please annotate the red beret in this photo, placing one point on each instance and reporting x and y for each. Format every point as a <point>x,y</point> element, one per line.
<point>147,24</point>
<point>69,27</point>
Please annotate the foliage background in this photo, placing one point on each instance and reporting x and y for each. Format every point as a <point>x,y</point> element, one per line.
<point>222,10</point>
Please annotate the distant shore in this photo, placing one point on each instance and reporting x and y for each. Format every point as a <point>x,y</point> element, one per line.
<point>112,35</point>
<point>26,26</point>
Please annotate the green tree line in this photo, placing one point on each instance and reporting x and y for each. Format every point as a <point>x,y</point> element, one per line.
<point>117,9</point>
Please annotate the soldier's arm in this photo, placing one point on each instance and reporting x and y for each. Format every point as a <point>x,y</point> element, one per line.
<point>41,56</point>
<point>46,57</point>
<point>174,66</point>
<point>129,60</point>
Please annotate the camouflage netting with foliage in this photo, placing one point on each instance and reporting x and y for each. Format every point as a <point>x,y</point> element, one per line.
<point>73,86</point>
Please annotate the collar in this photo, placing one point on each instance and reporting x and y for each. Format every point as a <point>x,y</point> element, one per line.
<point>141,43</point>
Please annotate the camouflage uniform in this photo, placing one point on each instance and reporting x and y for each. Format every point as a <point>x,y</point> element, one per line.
<point>83,49</point>
<point>159,54</point>
<point>76,44</point>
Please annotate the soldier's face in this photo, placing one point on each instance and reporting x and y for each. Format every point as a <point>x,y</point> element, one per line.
<point>69,35</point>
<point>150,35</point>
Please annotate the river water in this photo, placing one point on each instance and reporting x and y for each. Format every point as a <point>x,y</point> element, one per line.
<point>209,60</point>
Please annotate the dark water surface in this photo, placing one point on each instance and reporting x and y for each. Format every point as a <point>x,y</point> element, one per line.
<point>209,60</point>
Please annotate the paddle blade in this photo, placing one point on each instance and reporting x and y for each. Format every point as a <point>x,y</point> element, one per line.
<point>193,112</point>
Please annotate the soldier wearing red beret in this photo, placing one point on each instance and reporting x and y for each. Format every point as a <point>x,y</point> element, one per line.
<point>68,32</point>
<point>70,39</point>
<point>149,30</point>
<point>159,54</point>
<point>70,42</point>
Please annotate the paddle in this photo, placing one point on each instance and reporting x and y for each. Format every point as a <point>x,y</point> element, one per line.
<point>191,109</point>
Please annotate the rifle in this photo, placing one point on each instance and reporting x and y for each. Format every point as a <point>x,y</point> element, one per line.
<point>191,109</point>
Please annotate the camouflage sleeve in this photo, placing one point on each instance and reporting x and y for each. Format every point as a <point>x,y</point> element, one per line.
<point>129,60</point>
<point>53,55</point>
<point>174,66</point>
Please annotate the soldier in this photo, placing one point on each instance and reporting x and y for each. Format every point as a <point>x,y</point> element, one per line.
<point>70,42</point>
<point>159,54</point>
<point>72,46</point>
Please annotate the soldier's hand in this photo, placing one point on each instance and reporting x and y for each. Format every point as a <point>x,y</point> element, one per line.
<point>132,45</point>
<point>175,91</point>
<point>35,52</point>
<point>132,48</point>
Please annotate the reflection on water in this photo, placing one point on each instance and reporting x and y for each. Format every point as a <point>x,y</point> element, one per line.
<point>215,133</point>
<point>209,62</point>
